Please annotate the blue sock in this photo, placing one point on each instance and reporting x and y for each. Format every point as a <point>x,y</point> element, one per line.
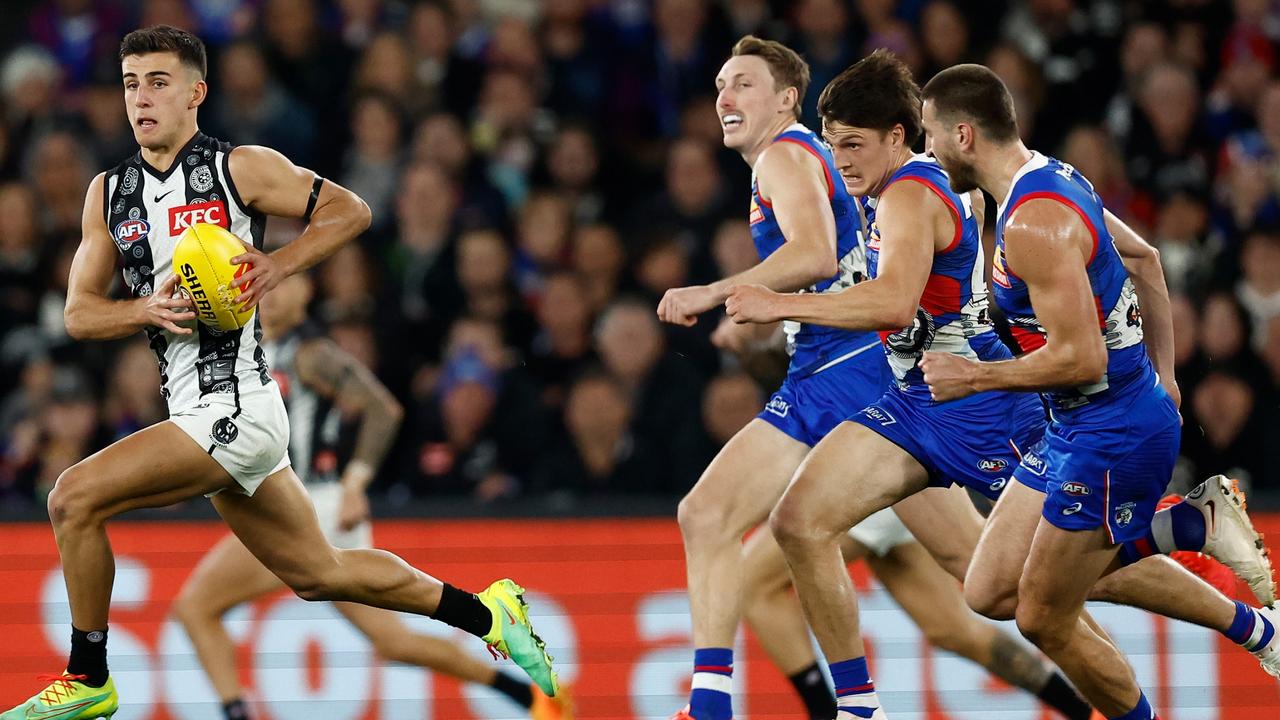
<point>1177,527</point>
<point>1143,711</point>
<point>712,679</point>
<point>855,693</point>
<point>1251,629</point>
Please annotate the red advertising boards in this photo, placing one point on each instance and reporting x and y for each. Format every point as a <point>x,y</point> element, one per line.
<point>606,594</point>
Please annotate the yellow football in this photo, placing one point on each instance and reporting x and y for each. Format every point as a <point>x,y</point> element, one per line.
<point>202,262</point>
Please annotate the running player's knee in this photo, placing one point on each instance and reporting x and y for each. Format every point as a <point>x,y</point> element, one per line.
<point>311,590</point>
<point>1041,623</point>
<point>791,528</point>
<point>989,602</point>
<point>701,516</point>
<point>311,585</point>
<point>189,610</point>
<point>69,503</point>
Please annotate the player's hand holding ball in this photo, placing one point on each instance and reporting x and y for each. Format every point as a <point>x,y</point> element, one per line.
<point>264,274</point>
<point>207,264</point>
<point>167,309</point>
<point>752,304</point>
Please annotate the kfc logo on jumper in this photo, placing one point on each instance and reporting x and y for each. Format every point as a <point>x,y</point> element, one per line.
<point>213,212</point>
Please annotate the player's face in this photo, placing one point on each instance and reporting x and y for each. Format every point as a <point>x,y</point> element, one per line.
<point>159,91</point>
<point>748,101</point>
<point>942,141</point>
<point>864,156</point>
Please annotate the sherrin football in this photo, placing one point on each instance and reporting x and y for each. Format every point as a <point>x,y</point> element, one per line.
<point>202,262</point>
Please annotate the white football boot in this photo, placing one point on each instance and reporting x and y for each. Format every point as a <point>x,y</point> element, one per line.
<point>1269,655</point>
<point>1230,537</point>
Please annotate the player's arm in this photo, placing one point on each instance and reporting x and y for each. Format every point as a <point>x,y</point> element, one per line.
<point>269,183</point>
<point>1047,246</point>
<point>907,216</point>
<point>1143,263</point>
<point>333,373</point>
<point>90,314</point>
<point>794,182</point>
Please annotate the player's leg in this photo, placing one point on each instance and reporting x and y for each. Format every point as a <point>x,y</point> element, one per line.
<point>1156,584</point>
<point>991,585</point>
<point>734,494</point>
<point>851,474</point>
<point>392,640</point>
<point>933,600</point>
<point>945,522</point>
<point>279,526</point>
<point>153,467</point>
<point>775,617</point>
<point>156,466</point>
<point>1162,586</point>
<point>226,577</point>
<point>1058,576</point>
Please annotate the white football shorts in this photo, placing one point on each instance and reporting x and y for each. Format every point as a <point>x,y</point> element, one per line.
<point>251,442</point>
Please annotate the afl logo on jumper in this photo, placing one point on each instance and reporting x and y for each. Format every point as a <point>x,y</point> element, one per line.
<point>131,231</point>
<point>213,212</point>
<point>224,432</point>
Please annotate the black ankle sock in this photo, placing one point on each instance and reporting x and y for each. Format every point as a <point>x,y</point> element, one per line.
<point>521,692</point>
<point>89,656</point>
<point>464,611</point>
<point>1058,694</point>
<point>812,688</point>
<point>235,710</point>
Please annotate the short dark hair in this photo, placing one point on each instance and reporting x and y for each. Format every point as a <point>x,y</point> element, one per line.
<point>977,93</point>
<point>876,92</point>
<point>786,65</point>
<point>166,38</point>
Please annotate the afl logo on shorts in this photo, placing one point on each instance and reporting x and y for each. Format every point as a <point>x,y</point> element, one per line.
<point>1075,489</point>
<point>131,231</point>
<point>224,432</point>
<point>992,465</point>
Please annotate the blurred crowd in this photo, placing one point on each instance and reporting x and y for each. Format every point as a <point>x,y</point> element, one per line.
<point>540,172</point>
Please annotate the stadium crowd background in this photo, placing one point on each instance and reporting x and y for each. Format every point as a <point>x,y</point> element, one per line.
<point>540,172</point>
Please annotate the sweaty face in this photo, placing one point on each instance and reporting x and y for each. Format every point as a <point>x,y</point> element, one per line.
<point>748,102</point>
<point>941,143</point>
<point>864,156</point>
<point>158,93</point>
